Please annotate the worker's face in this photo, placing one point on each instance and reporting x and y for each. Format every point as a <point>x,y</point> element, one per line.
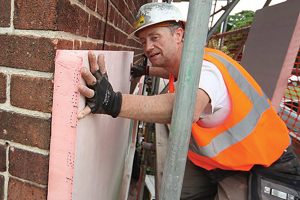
<point>160,45</point>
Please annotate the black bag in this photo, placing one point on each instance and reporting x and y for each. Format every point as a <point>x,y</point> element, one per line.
<point>279,181</point>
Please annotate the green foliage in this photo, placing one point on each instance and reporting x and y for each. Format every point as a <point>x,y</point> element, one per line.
<point>213,43</point>
<point>232,44</point>
<point>240,20</point>
<point>292,92</point>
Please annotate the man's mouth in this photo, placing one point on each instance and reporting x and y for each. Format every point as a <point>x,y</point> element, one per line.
<point>154,54</point>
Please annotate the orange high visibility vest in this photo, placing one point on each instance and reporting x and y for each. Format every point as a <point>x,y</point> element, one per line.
<point>252,133</point>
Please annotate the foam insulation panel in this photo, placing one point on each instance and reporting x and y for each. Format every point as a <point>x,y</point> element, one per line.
<point>272,46</point>
<point>87,157</point>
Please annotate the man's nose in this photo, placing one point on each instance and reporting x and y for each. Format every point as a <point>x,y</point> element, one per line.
<point>148,46</point>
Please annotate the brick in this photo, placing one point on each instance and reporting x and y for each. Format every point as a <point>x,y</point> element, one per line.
<point>127,27</point>
<point>82,1</point>
<point>5,13</point>
<point>102,7</point>
<point>27,53</point>
<point>111,14</point>
<point>110,33</point>
<point>137,58</point>
<point>71,18</point>
<point>139,3</point>
<point>120,37</point>
<point>112,48</point>
<point>126,49</point>
<point>123,9</point>
<point>35,14</point>
<point>28,165</point>
<point>31,93</point>
<point>100,46</point>
<point>96,28</point>
<point>18,190</point>
<point>89,46</point>
<point>106,47</point>
<point>91,4</point>
<point>118,20</point>
<point>63,44</point>
<point>137,51</point>
<point>25,130</point>
<point>82,45</point>
<point>133,43</point>
<point>77,44</point>
<point>121,23</point>
<point>2,88</point>
<point>130,17</point>
<point>116,3</point>
<point>132,6</point>
<point>3,158</point>
<point>2,180</point>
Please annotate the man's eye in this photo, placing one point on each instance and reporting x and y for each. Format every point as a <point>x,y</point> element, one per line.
<point>154,38</point>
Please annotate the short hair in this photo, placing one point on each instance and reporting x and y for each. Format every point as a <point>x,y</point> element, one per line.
<point>175,25</point>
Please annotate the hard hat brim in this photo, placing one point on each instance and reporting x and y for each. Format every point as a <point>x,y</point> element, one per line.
<point>133,34</point>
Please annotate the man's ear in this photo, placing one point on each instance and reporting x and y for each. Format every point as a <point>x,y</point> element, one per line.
<point>179,33</point>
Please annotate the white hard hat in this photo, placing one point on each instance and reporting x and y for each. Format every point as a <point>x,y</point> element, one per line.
<point>154,13</point>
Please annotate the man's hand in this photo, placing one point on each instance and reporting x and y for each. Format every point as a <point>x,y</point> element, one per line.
<point>140,70</point>
<point>100,96</point>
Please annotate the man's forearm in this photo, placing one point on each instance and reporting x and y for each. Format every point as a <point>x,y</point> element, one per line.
<point>156,108</point>
<point>158,72</point>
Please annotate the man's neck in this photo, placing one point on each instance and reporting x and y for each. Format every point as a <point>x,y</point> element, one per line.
<point>174,69</point>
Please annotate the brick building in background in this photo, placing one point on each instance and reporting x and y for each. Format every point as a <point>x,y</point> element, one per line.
<point>30,33</point>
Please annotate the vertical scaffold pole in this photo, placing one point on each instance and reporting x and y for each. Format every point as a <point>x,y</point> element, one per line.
<point>189,75</point>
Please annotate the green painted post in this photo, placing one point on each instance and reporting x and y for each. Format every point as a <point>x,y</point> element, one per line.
<point>189,75</point>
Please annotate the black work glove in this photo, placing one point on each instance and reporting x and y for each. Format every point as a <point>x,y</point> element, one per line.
<point>139,70</point>
<point>105,100</point>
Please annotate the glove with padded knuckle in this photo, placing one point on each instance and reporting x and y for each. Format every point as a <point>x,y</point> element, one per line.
<point>105,100</point>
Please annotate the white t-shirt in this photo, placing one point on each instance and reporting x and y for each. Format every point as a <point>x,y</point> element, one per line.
<point>212,82</point>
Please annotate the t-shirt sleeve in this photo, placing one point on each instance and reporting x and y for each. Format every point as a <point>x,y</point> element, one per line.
<point>212,82</point>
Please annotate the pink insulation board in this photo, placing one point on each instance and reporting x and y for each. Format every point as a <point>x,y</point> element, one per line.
<point>87,156</point>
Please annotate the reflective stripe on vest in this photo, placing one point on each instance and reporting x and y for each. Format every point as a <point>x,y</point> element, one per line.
<point>245,126</point>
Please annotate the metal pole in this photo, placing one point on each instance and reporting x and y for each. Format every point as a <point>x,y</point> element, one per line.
<point>267,3</point>
<point>212,17</point>
<point>223,28</point>
<point>189,75</point>
<point>222,18</point>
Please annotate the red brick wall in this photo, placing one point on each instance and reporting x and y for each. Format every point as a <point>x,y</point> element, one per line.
<point>30,33</point>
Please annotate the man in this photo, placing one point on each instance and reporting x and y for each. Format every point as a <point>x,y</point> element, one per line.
<point>235,128</point>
